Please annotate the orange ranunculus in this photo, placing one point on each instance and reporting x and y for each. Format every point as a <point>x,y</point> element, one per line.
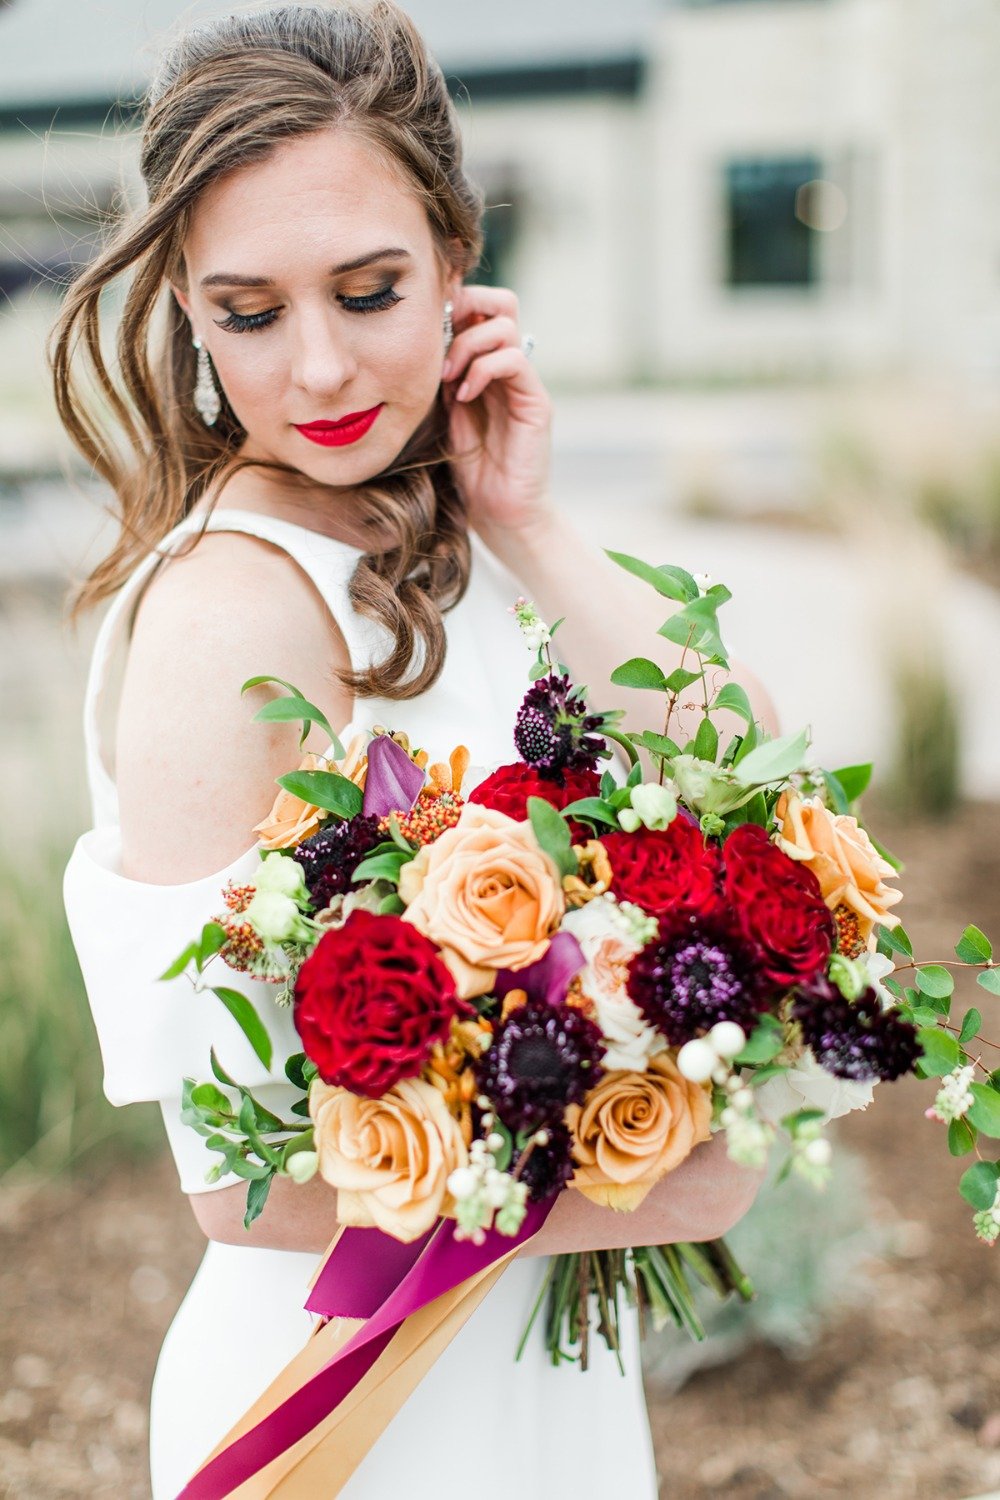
<point>634,1128</point>
<point>849,868</point>
<point>486,894</point>
<point>291,820</point>
<point>388,1158</point>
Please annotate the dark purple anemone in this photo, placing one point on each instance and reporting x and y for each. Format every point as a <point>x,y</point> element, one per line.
<point>553,731</point>
<point>855,1038</point>
<point>542,1058</point>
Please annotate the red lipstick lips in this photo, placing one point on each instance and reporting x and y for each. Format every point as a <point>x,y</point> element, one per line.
<point>337,434</point>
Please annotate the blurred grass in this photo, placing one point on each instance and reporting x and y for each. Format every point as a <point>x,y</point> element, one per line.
<point>53,1114</point>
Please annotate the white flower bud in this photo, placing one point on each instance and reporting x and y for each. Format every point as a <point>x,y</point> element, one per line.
<point>696,1060</point>
<point>282,876</point>
<point>742,1098</point>
<point>494,1142</point>
<point>818,1152</point>
<point>727,1038</point>
<point>301,1165</point>
<point>462,1182</point>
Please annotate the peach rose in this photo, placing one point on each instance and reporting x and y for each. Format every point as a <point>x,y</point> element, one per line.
<point>291,820</point>
<point>634,1128</point>
<point>486,894</point>
<point>388,1158</point>
<point>849,868</point>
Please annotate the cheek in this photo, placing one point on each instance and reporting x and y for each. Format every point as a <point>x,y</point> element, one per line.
<point>251,375</point>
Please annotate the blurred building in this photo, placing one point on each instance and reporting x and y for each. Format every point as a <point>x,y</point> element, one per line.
<point>678,189</point>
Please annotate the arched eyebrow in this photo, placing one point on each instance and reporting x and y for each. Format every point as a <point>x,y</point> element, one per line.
<point>232,278</point>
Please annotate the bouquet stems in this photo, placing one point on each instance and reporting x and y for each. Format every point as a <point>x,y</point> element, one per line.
<point>655,1278</point>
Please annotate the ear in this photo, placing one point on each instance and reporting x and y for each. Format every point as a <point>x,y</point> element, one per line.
<point>181,299</point>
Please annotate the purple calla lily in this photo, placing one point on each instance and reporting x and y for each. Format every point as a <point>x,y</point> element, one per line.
<point>548,979</point>
<point>393,781</point>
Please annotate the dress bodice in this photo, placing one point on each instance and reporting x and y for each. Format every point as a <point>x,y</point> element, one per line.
<point>126,932</point>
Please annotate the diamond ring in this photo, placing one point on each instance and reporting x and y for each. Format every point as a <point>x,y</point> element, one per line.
<point>527,344</point>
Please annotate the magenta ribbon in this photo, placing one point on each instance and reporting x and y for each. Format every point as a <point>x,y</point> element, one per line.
<point>366,1270</point>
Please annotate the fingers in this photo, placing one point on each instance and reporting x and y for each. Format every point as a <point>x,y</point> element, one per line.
<point>479,338</point>
<point>476,301</point>
<point>501,364</point>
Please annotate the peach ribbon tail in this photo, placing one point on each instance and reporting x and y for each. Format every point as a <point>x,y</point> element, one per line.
<point>323,1460</point>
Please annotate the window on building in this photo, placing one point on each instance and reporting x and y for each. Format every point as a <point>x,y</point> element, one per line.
<point>768,239</point>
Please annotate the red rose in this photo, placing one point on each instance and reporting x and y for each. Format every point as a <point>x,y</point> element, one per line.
<point>665,870</point>
<point>777,904</point>
<point>509,788</point>
<point>370,1002</point>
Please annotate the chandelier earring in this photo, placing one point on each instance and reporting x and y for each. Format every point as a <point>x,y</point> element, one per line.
<point>206,397</point>
<point>449,327</point>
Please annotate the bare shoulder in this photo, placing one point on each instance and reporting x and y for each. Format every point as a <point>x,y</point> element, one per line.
<point>194,772</point>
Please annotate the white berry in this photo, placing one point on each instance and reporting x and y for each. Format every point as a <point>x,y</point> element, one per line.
<point>696,1060</point>
<point>727,1038</point>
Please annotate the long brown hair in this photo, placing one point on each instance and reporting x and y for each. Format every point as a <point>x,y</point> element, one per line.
<point>226,94</point>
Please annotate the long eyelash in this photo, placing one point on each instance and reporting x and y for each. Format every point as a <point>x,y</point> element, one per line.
<point>246,322</point>
<point>373,302</point>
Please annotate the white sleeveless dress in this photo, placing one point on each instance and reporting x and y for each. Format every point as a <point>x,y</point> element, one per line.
<point>478,1420</point>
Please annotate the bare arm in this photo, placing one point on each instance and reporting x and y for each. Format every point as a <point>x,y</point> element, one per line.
<point>700,1200</point>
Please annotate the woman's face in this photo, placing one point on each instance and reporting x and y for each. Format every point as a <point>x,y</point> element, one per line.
<point>314,283</point>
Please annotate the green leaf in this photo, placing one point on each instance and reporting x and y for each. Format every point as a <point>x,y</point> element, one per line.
<point>961,1137</point>
<point>706,741</point>
<point>974,947</point>
<point>253,682</point>
<point>220,1071</point>
<point>763,1045</point>
<point>181,962</point>
<point>213,937</point>
<point>552,832</point>
<point>537,669</point>
<point>836,792</point>
<point>984,1111</point>
<point>640,672</point>
<point>978,1185</point>
<point>733,697</point>
<point>326,789</point>
<point>207,1096</point>
<point>941,1051</point>
<point>257,1192</point>
<point>887,854</point>
<point>773,760</point>
<point>696,626</point>
<point>287,710</point>
<point>385,865</point>
<point>749,742</point>
<point>990,980</point>
<point>894,940</point>
<point>853,780</point>
<point>669,582</point>
<point>657,744</point>
<point>971,1022</point>
<point>680,678</point>
<point>247,1019</point>
<point>625,741</point>
<point>591,810</point>
<point>935,980</point>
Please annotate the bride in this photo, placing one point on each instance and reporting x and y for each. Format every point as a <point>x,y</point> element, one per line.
<point>330,456</point>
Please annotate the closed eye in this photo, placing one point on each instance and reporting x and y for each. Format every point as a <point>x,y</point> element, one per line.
<point>371,302</point>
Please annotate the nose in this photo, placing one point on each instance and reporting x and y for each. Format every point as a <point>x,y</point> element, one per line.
<point>323,357</point>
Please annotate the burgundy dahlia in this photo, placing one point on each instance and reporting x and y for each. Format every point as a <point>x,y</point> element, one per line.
<point>855,1038</point>
<point>694,976</point>
<point>548,1168</point>
<point>330,857</point>
<point>508,788</point>
<point>553,731</point>
<point>543,1057</point>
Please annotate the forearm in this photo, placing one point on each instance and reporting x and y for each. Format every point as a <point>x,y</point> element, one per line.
<point>700,1200</point>
<point>609,617</point>
<point>297,1216</point>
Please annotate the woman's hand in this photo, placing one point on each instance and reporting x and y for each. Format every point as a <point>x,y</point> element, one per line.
<point>505,473</point>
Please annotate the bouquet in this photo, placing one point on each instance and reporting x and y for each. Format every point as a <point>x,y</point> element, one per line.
<point>548,977</point>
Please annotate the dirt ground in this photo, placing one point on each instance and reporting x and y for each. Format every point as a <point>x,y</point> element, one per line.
<point>898,1399</point>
